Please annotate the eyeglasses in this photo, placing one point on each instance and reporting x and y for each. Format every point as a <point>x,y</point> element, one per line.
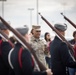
<point>38,31</point>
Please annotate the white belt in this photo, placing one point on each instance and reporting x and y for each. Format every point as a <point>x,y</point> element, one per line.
<point>9,58</point>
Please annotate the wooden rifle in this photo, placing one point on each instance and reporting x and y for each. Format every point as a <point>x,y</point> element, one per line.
<point>19,36</point>
<point>69,21</point>
<point>57,32</point>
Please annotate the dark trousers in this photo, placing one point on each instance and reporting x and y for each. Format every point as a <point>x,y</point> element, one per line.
<point>48,61</point>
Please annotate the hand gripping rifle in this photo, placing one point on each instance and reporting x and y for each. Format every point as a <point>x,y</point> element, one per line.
<point>69,21</point>
<point>54,29</point>
<point>6,37</point>
<point>24,43</point>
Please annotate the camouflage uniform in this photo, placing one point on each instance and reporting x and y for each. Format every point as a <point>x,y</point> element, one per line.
<point>38,46</point>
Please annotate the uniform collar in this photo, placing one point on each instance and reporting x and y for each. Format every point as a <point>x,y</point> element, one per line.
<point>0,37</point>
<point>34,39</point>
<point>58,38</point>
<point>20,45</point>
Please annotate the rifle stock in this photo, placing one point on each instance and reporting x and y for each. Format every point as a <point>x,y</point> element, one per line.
<point>54,29</point>
<point>41,66</point>
<point>69,21</point>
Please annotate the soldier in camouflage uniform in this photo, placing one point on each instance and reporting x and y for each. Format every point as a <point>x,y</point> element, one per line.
<point>37,44</point>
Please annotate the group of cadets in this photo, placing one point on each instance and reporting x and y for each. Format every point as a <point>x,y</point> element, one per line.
<point>54,54</point>
<point>18,60</point>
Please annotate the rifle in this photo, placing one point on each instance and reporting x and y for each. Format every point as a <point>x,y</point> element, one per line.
<point>24,43</point>
<point>54,29</point>
<point>69,20</point>
<point>6,37</point>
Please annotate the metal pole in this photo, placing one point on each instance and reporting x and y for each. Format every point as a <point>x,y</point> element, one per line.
<point>30,18</point>
<point>31,9</point>
<point>3,7</point>
<point>37,13</point>
<point>64,4</point>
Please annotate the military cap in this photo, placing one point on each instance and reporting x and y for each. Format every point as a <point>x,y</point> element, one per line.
<point>36,27</point>
<point>2,26</point>
<point>23,30</point>
<point>60,26</point>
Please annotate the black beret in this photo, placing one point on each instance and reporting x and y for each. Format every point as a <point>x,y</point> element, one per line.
<point>23,30</point>
<point>2,26</point>
<point>61,27</point>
